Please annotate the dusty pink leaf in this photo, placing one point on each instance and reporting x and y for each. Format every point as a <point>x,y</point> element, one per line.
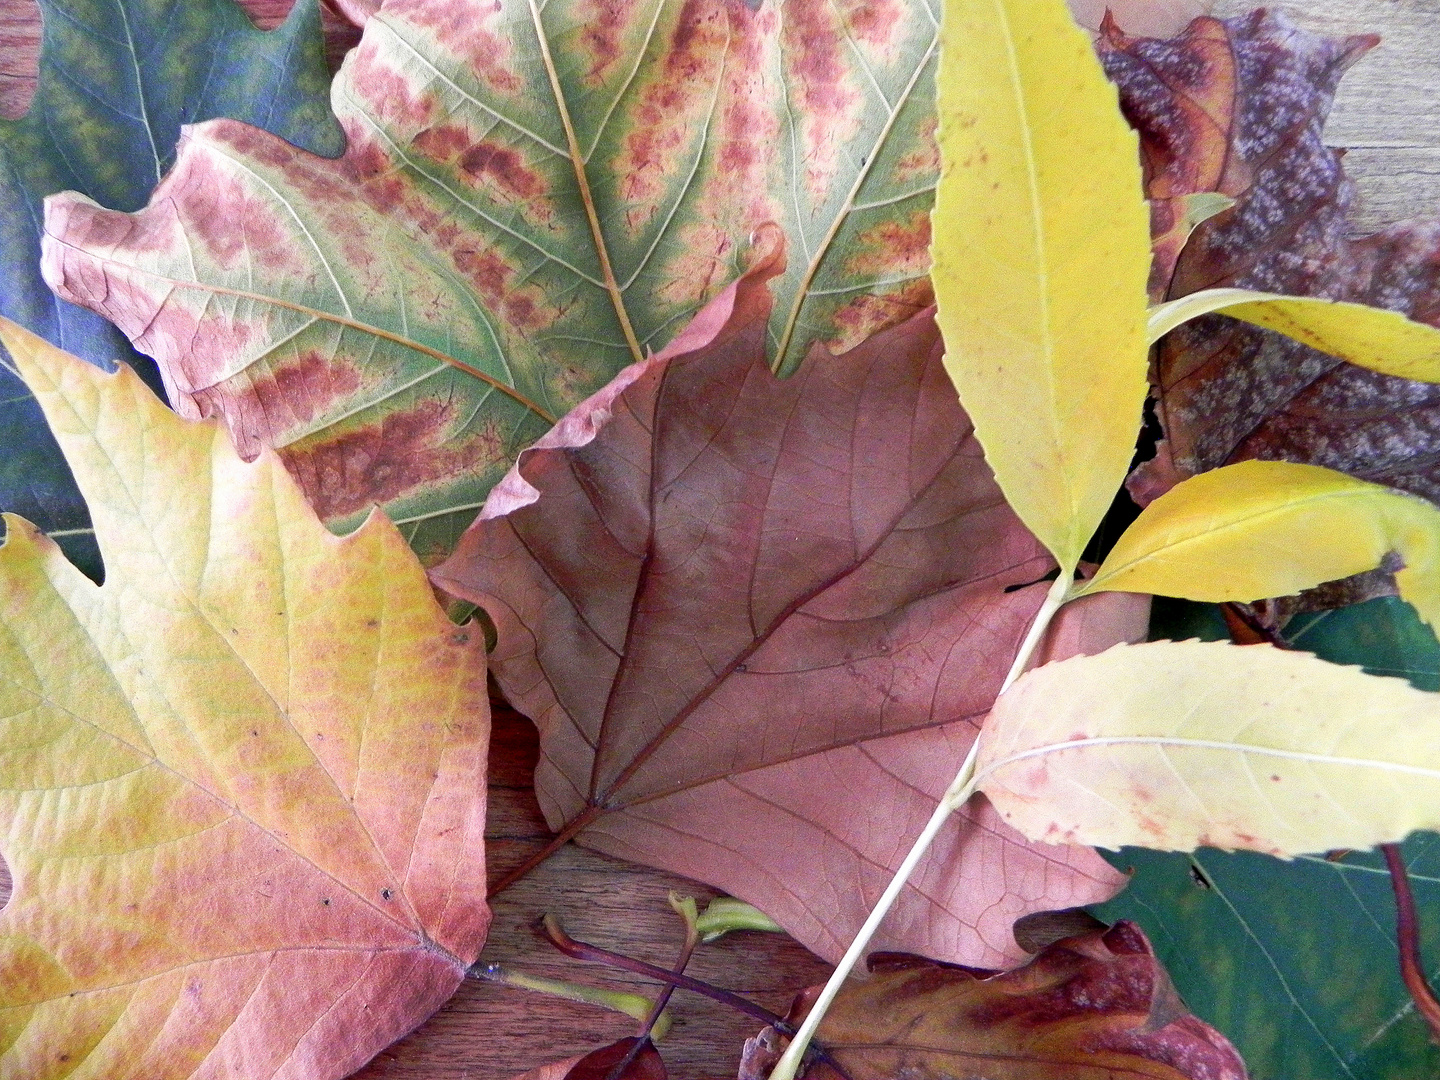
<point>1238,106</point>
<point>1090,1007</point>
<point>758,623</point>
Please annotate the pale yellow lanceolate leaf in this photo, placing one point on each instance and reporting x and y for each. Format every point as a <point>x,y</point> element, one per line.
<point>1174,745</point>
<point>1041,247</point>
<point>1381,340</point>
<point>1272,528</point>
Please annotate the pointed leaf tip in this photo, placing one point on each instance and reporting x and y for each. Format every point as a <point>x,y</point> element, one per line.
<point>242,784</point>
<point>1261,529</point>
<point>1041,246</point>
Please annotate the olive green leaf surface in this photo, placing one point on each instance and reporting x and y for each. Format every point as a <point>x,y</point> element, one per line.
<point>1042,252</point>
<point>242,783</point>
<point>1296,961</point>
<point>117,80</point>
<point>533,197</point>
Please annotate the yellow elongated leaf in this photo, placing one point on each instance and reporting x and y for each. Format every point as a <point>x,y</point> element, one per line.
<point>1381,340</point>
<point>1174,745</point>
<point>242,784</point>
<point>1041,247</point>
<point>1272,528</point>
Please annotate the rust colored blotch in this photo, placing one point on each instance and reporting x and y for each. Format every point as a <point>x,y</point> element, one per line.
<point>502,167</point>
<point>384,460</point>
<point>893,247</point>
<point>867,315</point>
<point>260,409</point>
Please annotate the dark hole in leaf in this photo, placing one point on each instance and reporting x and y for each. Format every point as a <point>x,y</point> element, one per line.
<point>6,882</point>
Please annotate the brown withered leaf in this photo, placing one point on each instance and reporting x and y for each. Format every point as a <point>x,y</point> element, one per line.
<point>1091,1007</point>
<point>1238,106</point>
<point>758,623</point>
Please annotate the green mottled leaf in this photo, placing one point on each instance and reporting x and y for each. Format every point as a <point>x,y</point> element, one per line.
<point>1295,961</point>
<point>117,80</point>
<point>533,197</point>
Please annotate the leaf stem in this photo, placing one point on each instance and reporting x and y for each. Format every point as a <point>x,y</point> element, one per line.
<point>554,844</point>
<point>632,1005</point>
<point>577,159</point>
<point>1407,938</point>
<point>554,933</point>
<point>955,796</point>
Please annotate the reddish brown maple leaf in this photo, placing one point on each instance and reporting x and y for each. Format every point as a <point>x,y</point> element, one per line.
<point>1090,1007</point>
<point>1238,106</point>
<point>758,623</point>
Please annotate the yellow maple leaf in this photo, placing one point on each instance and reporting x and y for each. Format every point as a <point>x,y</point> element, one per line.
<point>242,783</point>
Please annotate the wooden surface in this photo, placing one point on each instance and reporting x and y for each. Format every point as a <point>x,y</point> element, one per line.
<point>492,1032</point>
<point>1388,116</point>
<point>1387,113</point>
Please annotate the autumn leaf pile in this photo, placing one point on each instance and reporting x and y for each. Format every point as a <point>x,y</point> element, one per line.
<point>730,382</point>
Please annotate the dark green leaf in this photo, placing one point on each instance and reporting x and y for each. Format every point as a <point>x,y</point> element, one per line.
<point>1296,962</point>
<point>117,80</point>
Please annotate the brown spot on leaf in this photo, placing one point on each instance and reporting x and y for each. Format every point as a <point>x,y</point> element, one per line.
<point>259,408</point>
<point>463,29</point>
<point>503,169</point>
<point>922,163</point>
<point>827,96</point>
<point>893,248</point>
<point>382,461</point>
<point>872,312</point>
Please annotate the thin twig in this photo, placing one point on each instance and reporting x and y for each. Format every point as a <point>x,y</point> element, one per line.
<point>1407,937</point>
<point>550,929</point>
<point>692,938</point>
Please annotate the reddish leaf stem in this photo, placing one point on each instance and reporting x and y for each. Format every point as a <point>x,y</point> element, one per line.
<point>1407,937</point>
<point>692,938</point>
<point>556,842</point>
<point>550,929</point>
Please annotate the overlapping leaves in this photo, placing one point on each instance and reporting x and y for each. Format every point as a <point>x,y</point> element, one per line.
<point>1237,106</point>
<point>533,196</point>
<point>758,621</point>
<point>117,80</point>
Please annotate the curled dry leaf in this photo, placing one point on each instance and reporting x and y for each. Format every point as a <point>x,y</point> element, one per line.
<point>1090,1007</point>
<point>1237,106</point>
<point>242,784</point>
<point>533,196</point>
<point>758,623</point>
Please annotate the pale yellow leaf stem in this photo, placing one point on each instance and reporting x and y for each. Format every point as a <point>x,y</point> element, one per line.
<point>961,788</point>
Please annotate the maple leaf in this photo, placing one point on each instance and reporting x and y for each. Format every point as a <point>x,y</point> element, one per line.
<point>1236,106</point>
<point>116,80</point>
<point>533,196</point>
<point>1096,1005</point>
<point>759,621</point>
<point>241,783</point>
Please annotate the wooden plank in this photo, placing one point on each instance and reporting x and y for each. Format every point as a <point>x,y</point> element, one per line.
<point>1386,112</point>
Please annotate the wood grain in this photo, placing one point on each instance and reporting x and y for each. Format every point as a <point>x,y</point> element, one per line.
<point>491,1032</point>
<point>1386,116</point>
